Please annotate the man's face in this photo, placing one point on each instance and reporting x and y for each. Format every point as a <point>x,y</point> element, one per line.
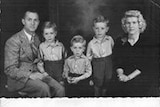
<point>30,21</point>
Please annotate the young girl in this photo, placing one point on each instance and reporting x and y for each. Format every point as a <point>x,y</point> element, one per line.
<point>77,69</point>
<point>99,51</point>
<point>52,52</point>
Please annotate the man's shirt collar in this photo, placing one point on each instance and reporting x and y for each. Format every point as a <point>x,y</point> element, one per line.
<point>29,36</point>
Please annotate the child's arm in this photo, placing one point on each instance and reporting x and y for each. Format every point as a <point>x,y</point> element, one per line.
<point>65,69</point>
<point>40,64</point>
<point>66,72</point>
<point>64,52</point>
<point>87,74</point>
<point>41,68</point>
<point>89,52</point>
<point>112,42</point>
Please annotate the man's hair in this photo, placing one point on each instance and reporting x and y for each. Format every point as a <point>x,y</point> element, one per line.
<point>33,10</point>
<point>78,39</point>
<point>100,19</point>
<point>49,24</point>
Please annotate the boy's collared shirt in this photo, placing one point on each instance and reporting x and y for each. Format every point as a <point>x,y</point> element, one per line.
<point>79,65</point>
<point>51,51</point>
<point>97,48</point>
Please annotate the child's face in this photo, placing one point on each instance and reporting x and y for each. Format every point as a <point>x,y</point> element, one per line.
<point>132,25</point>
<point>49,34</point>
<point>77,49</point>
<point>100,29</point>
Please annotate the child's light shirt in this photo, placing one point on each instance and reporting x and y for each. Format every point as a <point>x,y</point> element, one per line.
<point>80,65</point>
<point>51,51</point>
<point>97,48</point>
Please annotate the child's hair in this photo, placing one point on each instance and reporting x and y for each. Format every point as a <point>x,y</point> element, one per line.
<point>49,24</point>
<point>100,19</point>
<point>134,13</point>
<point>78,39</point>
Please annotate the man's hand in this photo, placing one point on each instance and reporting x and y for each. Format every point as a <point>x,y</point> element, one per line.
<point>62,83</point>
<point>45,74</point>
<point>36,75</point>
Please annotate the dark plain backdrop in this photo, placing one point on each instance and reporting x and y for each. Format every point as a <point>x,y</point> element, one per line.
<point>75,17</point>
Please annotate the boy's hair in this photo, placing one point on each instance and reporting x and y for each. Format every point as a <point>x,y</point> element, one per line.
<point>100,19</point>
<point>134,13</point>
<point>49,24</point>
<point>78,39</point>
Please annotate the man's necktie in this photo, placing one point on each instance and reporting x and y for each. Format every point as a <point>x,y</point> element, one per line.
<point>34,48</point>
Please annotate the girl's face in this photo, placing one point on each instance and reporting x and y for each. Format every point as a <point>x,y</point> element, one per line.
<point>100,29</point>
<point>49,34</point>
<point>132,25</point>
<point>77,49</point>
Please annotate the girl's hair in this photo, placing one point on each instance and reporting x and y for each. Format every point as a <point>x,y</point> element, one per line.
<point>100,19</point>
<point>134,13</point>
<point>78,39</point>
<point>49,24</point>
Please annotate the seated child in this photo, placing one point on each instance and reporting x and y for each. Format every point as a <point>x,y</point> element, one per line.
<point>52,52</point>
<point>77,69</point>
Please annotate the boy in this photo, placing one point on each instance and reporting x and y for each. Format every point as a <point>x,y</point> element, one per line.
<point>52,53</point>
<point>99,51</point>
<point>77,69</point>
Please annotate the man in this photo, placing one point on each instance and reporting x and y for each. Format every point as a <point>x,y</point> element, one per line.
<point>21,58</point>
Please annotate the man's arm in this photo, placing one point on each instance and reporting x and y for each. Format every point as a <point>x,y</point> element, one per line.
<point>12,55</point>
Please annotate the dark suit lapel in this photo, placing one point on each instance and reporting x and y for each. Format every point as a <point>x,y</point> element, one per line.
<point>25,45</point>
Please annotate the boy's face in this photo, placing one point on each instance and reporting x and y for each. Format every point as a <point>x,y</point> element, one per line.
<point>49,34</point>
<point>77,49</point>
<point>132,25</point>
<point>100,29</point>
<point>30,22</point>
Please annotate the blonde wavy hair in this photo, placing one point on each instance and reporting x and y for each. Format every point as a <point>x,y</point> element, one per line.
<point>134,13</point>
<point>78,39</point>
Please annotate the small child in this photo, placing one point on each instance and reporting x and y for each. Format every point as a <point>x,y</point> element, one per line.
<point>77,69</point>
<point>52,52</point>
<point>99,50</point>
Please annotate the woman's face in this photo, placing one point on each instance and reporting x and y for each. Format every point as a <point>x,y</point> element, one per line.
<point>132,25</point>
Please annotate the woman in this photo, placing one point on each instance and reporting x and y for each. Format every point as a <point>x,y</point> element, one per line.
<point>131,60</point>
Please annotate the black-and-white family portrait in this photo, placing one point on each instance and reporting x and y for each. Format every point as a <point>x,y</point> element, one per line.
<point>79,48</point>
